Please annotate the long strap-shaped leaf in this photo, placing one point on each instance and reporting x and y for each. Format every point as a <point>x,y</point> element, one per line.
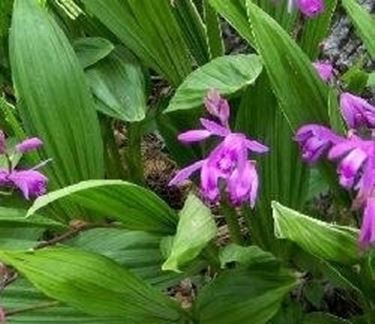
<point>302,95</point>
<point>150,30</point>
<point>56,104</point>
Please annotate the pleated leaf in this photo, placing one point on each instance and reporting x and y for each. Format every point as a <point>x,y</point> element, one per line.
<point>92,284</point>
<point>118,86</point>
<point>324,240</point>
<point>91,50</point>
<point>302,95</point>
<point>364,23</point>
<point>137,251</point>
<point>25,304</point>
<point>135,207</point>
<point>253,293</point>
<point>150,30</point>
<point>196,228</point>
<point>227,74</point>
<point>193,29</point>
<point>55,101</point>
<point>316,30</point>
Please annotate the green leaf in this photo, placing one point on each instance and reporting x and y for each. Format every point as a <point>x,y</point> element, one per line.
<point>10,217</point>
<point>22,303</point>
<point>93,284</point>
<point>135,207</point>
<point>137,251</point>
<point>91,50</point>
<point>355,79</point>
<point>364,23</point>
<point>118,86</point>
<point>327,241</point>
<point>316,30</point>
<point>19,237</point>
<point>227,74</point>
<point>245,255</point>
<point>326,318</point>
<point>193,29</point>
<point>214,32</point>
<point>301,93</point>
<point>236,296</point>
<point>235,13</point>
<point>149,29</point>
<point>371,80</point>
<point>56,104</point>
<point>195,229</point>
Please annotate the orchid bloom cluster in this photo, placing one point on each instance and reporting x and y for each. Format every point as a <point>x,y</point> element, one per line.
<point>310,8</point>
<point>32,183</point>
<point>227,166</point>
<point>355,153</point>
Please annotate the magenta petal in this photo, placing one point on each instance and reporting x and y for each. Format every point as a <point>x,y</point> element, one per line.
<point>185,173</point>
<point>367,233</point>
<point>193,136</point>
<point>4,177</point>
<point>357,111</point>
<point>28,145</point>
<point>214,128</point>
<point>210,182</point>
<point>255,146</point>
<point>32,183</point>
<point>310,8</point>
<point>217,106</point>
<point>325,70</point>
<point>349,167</point>
<point>341,149</point>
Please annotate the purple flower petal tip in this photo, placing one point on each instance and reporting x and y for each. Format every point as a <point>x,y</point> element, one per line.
<point>310,8</point>
<point>325,70</point>
<point>367,233</point>
<point>32,183</point>
<point>357,111</point>
<point>29,144</point>
<point>217,106</point>
<point>193,136</point>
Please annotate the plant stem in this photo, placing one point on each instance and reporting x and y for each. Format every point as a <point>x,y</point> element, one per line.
<point>231,219</point>
<point>134,154</point>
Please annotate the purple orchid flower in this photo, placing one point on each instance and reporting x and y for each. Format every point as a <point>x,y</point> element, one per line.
<point>227,163</point>
<point>357,111</point>
<point>28,145</point>
<point>32,183</point>
<point>355,156</point>
<point>310,8</point>
<point>315,140</point>
<point>217,106</point>
<point>325,70</point>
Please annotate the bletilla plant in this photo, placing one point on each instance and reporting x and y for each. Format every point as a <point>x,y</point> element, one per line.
<point>356,153</point>
<point>31,182</point>
<point>228,165</point>
<point>325,70</point>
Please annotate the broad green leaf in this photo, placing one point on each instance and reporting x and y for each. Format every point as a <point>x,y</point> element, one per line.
<point>298,88</point>
<point>92,284</point>
<point>227,74</point>
<point>195,229</point>
<point>248,294</point>
<point>327,241</point>
<point>55,101</point>
<point>234,11</point>
<point>364,22</point>
<point>19,237</point>
<point>371,80</point>
<point>149,29</point>
<point>193,29</point>
<point>245,255</point>
<point>135,207</point>
<point>24,304</point>
<point>137,251</point>
<point>10,217</point>
<point>91,50</point>
<point>118,86</point>
<point>315,30</point>
<point>214,32</point>
<point>283,173</point>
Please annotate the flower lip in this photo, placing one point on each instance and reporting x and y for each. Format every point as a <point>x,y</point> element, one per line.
<point>357,111</point>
